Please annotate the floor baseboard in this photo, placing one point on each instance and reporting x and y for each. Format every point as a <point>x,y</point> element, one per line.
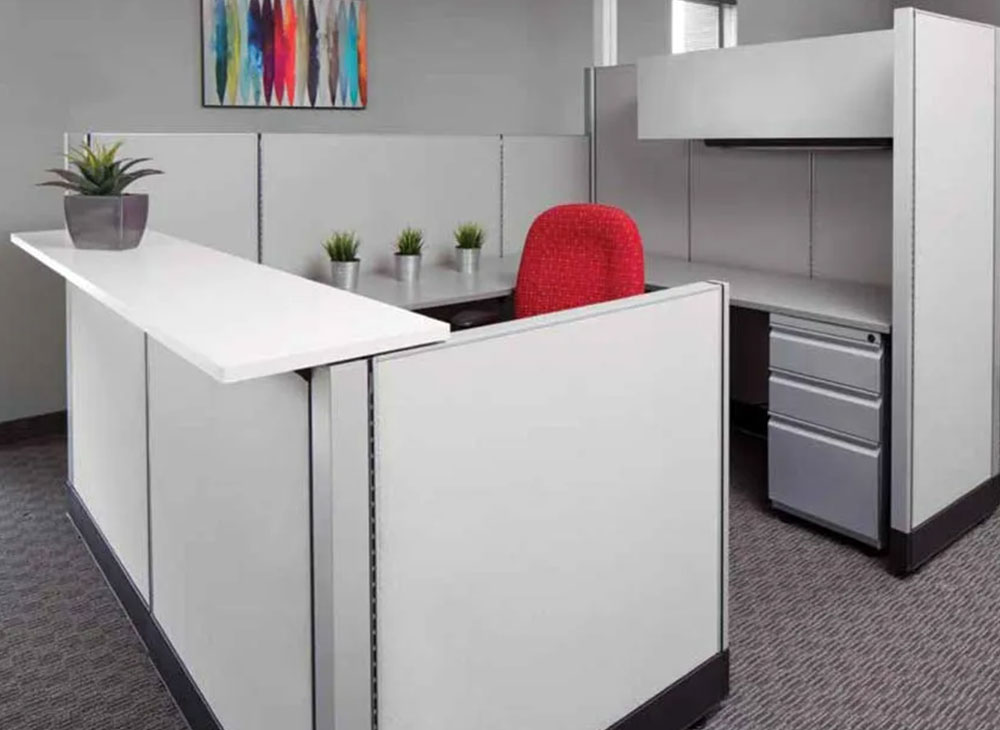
<point>686,701</point>
<point>909,551</point>
<point>175,676</point>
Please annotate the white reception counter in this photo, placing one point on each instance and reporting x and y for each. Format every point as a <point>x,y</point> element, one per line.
<point>321,513</point>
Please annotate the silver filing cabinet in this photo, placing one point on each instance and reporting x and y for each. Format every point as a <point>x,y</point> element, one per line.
<point>827,435</point>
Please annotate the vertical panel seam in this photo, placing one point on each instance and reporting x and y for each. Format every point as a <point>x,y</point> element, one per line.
<point>690,196</point>
<point>996,385</point>
<point>812,213</point>
<point>312,553</point>
<point>913,271</point>
<point>722,471</point>
<point>372,544</point>
<point>260,198</point>
<point>593,135</point>
<point>503,198</point>
<point>149,474</point>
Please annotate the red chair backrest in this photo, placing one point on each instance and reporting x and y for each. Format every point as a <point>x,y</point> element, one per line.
<point>577,255</point>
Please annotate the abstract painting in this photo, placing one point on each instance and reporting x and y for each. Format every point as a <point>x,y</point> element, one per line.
<point>285,53</point>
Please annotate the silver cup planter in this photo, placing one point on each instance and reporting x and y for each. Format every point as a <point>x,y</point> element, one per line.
<point>345,274</point>
<point>408,267</point>
<point>109,223</point>
<point>468,259</point>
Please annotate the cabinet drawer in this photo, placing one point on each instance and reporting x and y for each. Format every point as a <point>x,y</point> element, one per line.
<point>858,414</point>
<point>833,482</point>
<point>837,361</point>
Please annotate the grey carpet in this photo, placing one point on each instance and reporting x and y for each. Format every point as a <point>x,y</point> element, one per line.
<point>69,659</point>
<point>821,635</point>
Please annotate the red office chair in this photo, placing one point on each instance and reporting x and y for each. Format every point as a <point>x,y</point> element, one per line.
<point>577,255</point>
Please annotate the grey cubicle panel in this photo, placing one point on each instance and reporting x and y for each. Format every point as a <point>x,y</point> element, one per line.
<point>542,532</point>
<point>540,172</point>
<point>375,185</point>
<point>852,216</point>
<point>107,428</point>
<point>809,212</point>
<point>229,515</point>
<point>944,275</point>
<point>819,88</point>
<point>648,180</point>
<point>208,193</point>
<point>750,208</point>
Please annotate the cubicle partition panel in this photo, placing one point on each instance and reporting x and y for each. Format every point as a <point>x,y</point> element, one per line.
<point>816,213</point>
<point>647,179</point>
<point>208,192</point>
<point>229,518</point>
<point>751,208</point>
<point>550,542</point>
<point>274,198</point>
<point>539,173</point>
<point>851,216</point>
<point>944,283</point>
<point>374,185</point>
<point>107,429</point>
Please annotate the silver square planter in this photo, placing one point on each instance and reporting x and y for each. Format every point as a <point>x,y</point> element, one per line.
<point>109,223</point>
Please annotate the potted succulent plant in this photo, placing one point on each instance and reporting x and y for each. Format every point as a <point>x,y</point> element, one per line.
<point>469,240</point>
<point>409,247</point>
<point>342,248</point>
<point>99,213</point>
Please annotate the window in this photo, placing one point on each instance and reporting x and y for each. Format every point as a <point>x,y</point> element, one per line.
<point>702,25</point>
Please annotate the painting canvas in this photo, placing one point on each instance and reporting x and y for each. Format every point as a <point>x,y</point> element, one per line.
<point>285,53</point>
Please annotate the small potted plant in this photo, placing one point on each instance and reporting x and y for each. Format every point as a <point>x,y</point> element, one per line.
<point>99,213</point>
<point>342,248</point>
<point>409,247</point>
<point>469,240</point>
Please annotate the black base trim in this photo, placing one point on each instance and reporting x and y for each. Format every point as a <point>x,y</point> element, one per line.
<point>180,685</point>
<point>883,143</point>
<point>686,701</point>
<point>50,424</point>
<point>910,551</point>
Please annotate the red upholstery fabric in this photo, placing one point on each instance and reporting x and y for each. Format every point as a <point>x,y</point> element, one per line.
<point>577,255</point>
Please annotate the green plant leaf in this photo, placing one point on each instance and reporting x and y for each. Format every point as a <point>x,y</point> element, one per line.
<point>125,180</point>
<point>99,170</point>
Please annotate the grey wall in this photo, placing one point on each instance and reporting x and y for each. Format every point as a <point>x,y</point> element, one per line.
<point>644,25</point>
<point>643,29</point>
<point>984,11</point>
<point>461,66</point>
<point>763,21</point>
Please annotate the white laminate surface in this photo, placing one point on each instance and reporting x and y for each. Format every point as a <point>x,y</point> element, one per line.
<point>440,285</point>
<point>234,319</point>
<point>837,302</point>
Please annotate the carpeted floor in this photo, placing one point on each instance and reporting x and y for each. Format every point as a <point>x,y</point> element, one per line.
<point>69,659</point>
<point>821,636</point>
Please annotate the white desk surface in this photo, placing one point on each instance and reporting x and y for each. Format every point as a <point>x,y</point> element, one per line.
<point>232,318</point>
<point>441,285</point>
<point>836,302</point>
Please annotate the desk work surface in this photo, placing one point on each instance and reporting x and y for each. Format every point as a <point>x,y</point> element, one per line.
<point>441,285</point>
<point>835,302</point>
<point>234,319</point>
